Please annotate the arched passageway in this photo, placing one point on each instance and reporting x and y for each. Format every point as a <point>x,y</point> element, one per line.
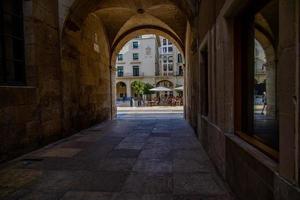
<point>92,36</point>
<point>57,78</point>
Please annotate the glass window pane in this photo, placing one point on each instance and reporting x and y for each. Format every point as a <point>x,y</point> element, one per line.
<point>264,93</point>
<point>120,57</point>
<point>135,45</point>
<point>165,67</point>
<point>135,56</point>
<point>135,70</point>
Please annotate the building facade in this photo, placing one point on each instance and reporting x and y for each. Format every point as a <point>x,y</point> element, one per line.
<point>151,59</point>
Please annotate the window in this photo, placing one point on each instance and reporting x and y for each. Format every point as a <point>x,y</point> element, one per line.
<point>179,60</point>
<point>180,71</point>
<point>256,93</point>
<point>164,41</point>
<point>135,45</point>
<point>170,59</point>
<point>12,59</point>
<point>165,50</point>
<point>136,71</point>
<point>120,57</point>
<point>165,59</point>
<point>170,49</point>
<point>169,42</point>
<point>135,56</point>
<point>120,71</point>
<point>165,67</point>
<point>170,67</point>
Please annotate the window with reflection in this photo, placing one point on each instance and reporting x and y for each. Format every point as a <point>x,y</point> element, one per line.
<point>256,92</point>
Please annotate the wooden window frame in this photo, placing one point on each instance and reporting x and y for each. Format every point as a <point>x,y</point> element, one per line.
<point>242,79</point>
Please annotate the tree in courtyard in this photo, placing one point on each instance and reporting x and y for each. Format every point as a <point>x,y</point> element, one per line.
<point>147,90</point>
<point>138,87</point>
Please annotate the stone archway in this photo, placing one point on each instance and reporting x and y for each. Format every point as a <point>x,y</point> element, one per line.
<point>121,90</point>
<point>92,32</point>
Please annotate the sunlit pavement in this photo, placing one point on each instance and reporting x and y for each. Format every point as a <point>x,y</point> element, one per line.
<point>156,158</point>
<point>161,112</point>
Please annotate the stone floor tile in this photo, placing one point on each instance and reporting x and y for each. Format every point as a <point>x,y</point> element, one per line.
<point>112,140</point>
<point>124,153</point>
<point>61,152</point>
<point>101,181</point>
<point>145,158</point>
<point>116,164</point>
<point>85,195</point>
<point>56,181</point>
<point>196,183</point>
<point>161,134</point>
<point>143,183</point>
<point>190,166</point>
<point>130,145</point>
<point>153,166</point>
<point>155,153</point>
<point>157,197</point>
<point>194,154</point>
<point>201,197</point>
<point>44,195</point>
<point>127,196</point>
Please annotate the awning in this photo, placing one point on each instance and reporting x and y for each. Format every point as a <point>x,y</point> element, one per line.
<point>179,88</point>
<point>160,89</point>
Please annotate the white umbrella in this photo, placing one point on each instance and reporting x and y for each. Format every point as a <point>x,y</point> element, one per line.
<point>160,89</point>
<point>179,88</point>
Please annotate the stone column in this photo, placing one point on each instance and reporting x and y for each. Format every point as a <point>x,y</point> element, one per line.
<point>128,89</point>
<point>271,82</point>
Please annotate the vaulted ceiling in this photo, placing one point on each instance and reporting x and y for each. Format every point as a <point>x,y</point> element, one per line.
<point>121,16</point>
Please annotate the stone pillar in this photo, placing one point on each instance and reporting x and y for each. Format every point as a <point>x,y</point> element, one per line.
<point>271,82</point>
<point>128,89</point>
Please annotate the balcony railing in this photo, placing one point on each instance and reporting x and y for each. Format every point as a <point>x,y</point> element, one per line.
<point>141,74</point>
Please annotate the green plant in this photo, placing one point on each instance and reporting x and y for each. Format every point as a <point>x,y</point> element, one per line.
<point>147,89</point>
<point>138,87</point>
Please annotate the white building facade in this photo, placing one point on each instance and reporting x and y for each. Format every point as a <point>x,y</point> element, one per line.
<point>150,59</point>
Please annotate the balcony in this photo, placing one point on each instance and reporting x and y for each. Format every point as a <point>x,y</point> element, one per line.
<point>125,75</point>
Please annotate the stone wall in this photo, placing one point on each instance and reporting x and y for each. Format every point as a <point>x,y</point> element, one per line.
<point>86,75</point>
<point>249,172</point>
<point>31,115</point>
<point>68,81</point>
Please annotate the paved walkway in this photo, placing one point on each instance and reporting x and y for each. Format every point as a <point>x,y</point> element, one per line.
<point>125,159</point>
